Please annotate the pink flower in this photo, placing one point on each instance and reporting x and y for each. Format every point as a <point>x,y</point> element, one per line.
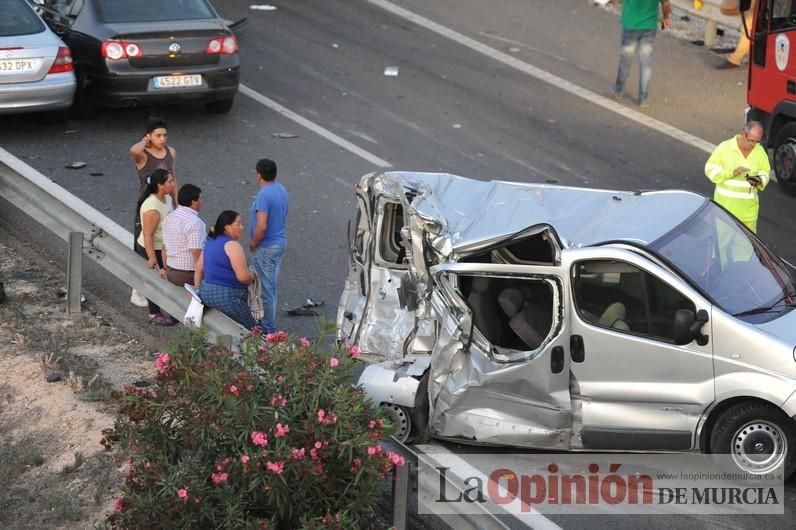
<point>304,341</point>
<point>274,338</point>
<point>314,453</point>
<point>245,459</point>
<point>183,494</point>
<point>162,361</point>
<point>296,454</point>
<point>321,415</point>
<point>318,445</point>
<point>280,378</point>
<point>396,459</point>
<point>234,390</point>
<point>375,423</point>
<point>333,362</point>
<point>281,430</point>
<point>354,351</point>
<point>276,467</point>
<point>374,450</point>
<point>278,401</point>
<point>119,506</point>
<point>219,478</point>
<point>259,438</point>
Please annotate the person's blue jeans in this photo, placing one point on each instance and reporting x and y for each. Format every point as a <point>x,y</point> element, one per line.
<point>266,263</point>
<point>641,40</point>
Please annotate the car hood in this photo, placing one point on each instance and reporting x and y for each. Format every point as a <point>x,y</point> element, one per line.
<point>783,327</point>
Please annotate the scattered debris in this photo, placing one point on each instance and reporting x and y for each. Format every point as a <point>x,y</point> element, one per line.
<point>514,49</point>
<point>335,45</point>
<point>70,131</point>
<point>284,135</point>
<point>457,125</point>
<point>308,309</point>
<point>79,164</point>
<point>391,71</point>
<point>61,293</point>
<point>97,174</point>
<point>262,7</point>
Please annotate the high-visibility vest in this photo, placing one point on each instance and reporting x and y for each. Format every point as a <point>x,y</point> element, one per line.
<point>735,193</point>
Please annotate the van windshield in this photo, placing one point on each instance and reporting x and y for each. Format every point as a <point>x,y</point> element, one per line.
<point>729,264</point>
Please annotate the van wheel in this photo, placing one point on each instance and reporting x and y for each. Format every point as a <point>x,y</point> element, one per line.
<point>759,437</point>
<point>785,159</point>
<point>399,417</point>
<point>220,107</point>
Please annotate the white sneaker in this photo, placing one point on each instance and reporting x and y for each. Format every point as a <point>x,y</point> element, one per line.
<point>137,300</point>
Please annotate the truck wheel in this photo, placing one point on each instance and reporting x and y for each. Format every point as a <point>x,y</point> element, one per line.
<point>785,159</point>
<point>759,437</point>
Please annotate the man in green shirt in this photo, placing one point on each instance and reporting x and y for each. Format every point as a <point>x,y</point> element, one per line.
<point>639,22</point>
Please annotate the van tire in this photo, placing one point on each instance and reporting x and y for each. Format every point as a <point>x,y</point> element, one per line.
<point>785,158</point>
<point>744,425</point>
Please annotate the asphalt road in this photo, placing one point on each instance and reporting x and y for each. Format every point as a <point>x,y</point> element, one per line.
<point>449,109</point>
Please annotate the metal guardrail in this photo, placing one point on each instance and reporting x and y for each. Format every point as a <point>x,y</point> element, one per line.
<point>104,241</point>
<point>402,477</point>
<point>712,15</point>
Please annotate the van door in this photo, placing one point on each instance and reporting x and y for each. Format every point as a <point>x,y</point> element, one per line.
<point>499,372</point>
<point>352,303</point>
<point>632,386</point>
<point>379,325</point>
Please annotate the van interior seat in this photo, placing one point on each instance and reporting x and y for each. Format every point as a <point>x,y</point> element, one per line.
<point>614,317</point>
<point>521,317</point>
<point>485,311</point>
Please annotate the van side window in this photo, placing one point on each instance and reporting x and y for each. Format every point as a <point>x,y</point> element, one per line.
<point>391,246</point>
<point>783,15</point>
<point>622,297</point>
<point>513,313</point>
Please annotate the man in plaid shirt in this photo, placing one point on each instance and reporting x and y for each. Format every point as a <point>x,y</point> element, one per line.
<point>184,235</point>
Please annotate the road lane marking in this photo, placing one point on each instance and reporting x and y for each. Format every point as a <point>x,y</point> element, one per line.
<point>547,77</point>
<point>314,127</point>
<point>463,468</point>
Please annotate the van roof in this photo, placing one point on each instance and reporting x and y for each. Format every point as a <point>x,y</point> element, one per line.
<point>472,212</point>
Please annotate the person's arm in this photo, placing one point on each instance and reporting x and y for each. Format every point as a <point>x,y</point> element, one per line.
<point>199,272</point>
<point>163,257</point>
<point>666,9</point>
<point>149,222</point>
<point>237,259</point>
<point>715,170</point>
<point>174,174</point>
<point>138,152</point>
<point>762,169</point>
<point>259,230</point>
<point>197,254</point>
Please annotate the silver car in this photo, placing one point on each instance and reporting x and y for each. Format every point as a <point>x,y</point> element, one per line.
<point>571,319</point>
<point>36,72</point>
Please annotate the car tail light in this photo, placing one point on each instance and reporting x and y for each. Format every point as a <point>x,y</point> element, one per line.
<point>117,49</point>
<point>227,45</point>
<point>63,61</point>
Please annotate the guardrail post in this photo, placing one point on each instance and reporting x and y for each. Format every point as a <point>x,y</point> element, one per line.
<point>400,495</point>
<point>74,272</point>
<point>710,33</point>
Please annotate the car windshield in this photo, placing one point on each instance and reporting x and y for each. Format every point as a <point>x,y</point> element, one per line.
<point>153,11</point>
<point>17,18</point>
<point>733,267</point>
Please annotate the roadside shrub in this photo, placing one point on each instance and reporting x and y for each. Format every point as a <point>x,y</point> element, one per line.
<point>275,437</point>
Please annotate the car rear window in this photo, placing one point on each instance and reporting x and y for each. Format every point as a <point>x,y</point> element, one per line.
<point>17,18</point>
<point>153,10</point>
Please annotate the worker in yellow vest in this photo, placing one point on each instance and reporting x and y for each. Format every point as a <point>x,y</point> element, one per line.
<point>740,169</point>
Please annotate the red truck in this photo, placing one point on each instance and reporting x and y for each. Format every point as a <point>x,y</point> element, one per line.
<point>771,88</point>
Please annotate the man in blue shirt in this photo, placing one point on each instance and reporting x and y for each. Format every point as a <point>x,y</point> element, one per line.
<point>268,237</point>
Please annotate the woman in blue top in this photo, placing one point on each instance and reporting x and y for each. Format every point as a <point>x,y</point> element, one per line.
<point>222,272</point>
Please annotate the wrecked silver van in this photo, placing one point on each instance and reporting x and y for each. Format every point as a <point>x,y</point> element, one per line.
<point>571,319</point>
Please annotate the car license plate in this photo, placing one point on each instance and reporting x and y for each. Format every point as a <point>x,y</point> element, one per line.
<point>18,65</point>
<point>177,81</point>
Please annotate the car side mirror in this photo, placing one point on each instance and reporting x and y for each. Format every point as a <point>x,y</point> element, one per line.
<point>688,327</point>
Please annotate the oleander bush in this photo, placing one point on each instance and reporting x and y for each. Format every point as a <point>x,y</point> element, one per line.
<point>274,437</point>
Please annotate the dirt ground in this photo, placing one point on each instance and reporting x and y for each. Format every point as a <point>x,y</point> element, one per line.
<point>53,470</point>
